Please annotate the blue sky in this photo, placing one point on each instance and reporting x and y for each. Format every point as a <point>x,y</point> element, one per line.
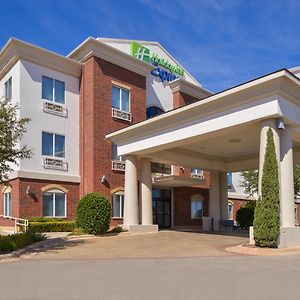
<point>222,43</point>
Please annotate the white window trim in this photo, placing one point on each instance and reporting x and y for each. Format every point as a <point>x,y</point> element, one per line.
<point>120,193</point>
<point>120,98</point>
<point>53,91</point>
<point>54,192</point>
<point>53,146</point>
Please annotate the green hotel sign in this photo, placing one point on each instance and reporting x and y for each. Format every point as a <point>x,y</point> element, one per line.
<point>143,53</point>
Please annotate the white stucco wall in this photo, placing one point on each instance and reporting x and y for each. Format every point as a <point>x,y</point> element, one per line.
<point>31,106</point>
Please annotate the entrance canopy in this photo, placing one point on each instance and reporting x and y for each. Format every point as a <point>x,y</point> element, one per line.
<point>220,132</point>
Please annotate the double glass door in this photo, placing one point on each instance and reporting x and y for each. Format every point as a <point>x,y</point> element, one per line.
<point>161,202</point>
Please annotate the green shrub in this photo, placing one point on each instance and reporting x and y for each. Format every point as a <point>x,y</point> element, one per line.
<point>59,226</point>
<point>44,219</point>
<point>16,241</point>
<point>245,217</point>
<point>117,229</point>
<point>93,214</point>
<point>266,216</point>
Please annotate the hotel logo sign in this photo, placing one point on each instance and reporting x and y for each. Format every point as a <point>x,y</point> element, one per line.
<point>143,53</point>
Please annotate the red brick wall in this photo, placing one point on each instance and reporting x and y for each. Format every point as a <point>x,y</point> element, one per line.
<point>182,205</point>
<point>26,206</point>
<point>96,122</point>
<point>181,99</point>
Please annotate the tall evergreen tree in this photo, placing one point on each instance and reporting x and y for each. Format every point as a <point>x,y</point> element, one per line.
<point>266,217</point>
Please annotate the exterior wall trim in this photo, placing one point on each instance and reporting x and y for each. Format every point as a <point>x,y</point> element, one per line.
<point>117,189</point>
<point>6,189</point>
<point>53,186</point>
<point>45,176</point>
<point>15,50</point>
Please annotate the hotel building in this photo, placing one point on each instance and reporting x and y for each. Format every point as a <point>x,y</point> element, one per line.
<point>75,104</point>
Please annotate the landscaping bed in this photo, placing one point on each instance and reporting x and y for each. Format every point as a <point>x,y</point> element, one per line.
<point>9,243</point>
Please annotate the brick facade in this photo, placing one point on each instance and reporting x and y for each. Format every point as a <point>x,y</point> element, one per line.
<point>96,122</point>
<point>27,206</point>
<point>182,205</point>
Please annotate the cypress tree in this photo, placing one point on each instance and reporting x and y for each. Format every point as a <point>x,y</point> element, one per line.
<point>266,217</point>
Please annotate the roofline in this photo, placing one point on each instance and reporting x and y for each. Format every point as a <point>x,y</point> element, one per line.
<point>153,43</point>
<point>16,49</point>
<point>93,47</point>
<point>209,99</point>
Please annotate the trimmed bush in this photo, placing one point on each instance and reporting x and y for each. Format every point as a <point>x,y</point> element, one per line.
<point>16,241</point>
<point>266,216</point>
<point>93,214</point>
<point>245,217</point>
<point>44,219</point>
<point>57,226</point>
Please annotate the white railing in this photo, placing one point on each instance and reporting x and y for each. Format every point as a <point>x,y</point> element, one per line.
<point>120,114</point>
<point>18,222</point>
<point>54,108</point>
<point>55,164</point>
<point>118,165</point>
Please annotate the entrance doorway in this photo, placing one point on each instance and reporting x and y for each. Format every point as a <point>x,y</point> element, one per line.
<point>161,203</point>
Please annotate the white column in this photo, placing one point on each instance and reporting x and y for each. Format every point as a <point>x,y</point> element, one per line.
<point>214,199</point>
<point>131,212</point>
<point>287,203</point>
<point>223,196</point>
<point>146,192</point>
<point>265,125</point>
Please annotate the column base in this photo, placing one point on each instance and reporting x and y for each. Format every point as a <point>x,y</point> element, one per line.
<point>141,228</point>
<point>289,237</point>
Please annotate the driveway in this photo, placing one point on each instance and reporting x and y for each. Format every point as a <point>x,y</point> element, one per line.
<point>164,244</point>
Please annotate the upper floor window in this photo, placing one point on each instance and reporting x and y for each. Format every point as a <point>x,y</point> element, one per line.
<point>153,111</point>
<point>196,171</point>
<point>229,181</point>
<point>120,98</point>
<point>114,155</point>
<point>53,144</point>
<point>8,89</point>
<point>7,204</point>
<point>53,90</point>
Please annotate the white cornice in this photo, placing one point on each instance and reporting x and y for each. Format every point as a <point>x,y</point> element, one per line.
<point>231,97</point>
<point>181,85</point>
<point>93,47</point>
<point>15,50</point>
<point>44,176</point>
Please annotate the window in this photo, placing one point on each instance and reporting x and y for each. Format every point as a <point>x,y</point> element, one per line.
<point>7,204</point>
<point>53,90</point>
<point>54,204</point>
<point>118,205</point>
<point>153,111</point>
<point>230,211</point>
<point>197,171</point>
<point>53,144</point>
<point>120,99</point>
<point>114,155</point>
<point>229,181</point>
<point>196,209</point>
<point>8,89</point>
<point>160,168</point>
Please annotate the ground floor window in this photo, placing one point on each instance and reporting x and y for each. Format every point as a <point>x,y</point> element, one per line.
<point>118,205</point>
<point>196,209</point>
<point>54,204</point>
<point>7,204</point>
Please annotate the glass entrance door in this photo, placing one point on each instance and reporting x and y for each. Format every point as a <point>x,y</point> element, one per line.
<point>161,202</point>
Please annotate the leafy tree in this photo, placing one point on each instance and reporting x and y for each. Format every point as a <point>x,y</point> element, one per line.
<point>250,181</point>
<point>266,216</point>
<point>12,129</point>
